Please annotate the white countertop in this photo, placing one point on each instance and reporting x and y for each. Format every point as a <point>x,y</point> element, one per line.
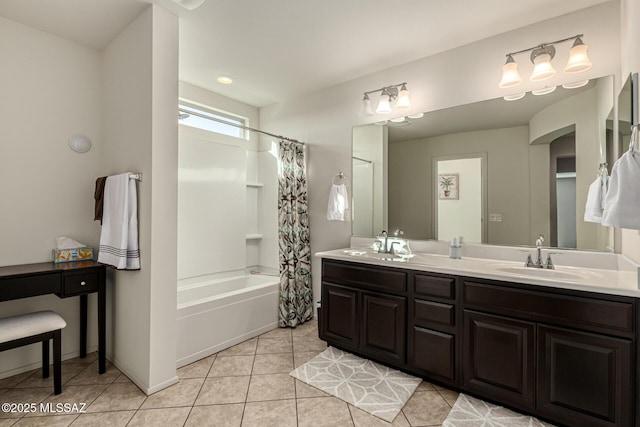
<point>612,281</point>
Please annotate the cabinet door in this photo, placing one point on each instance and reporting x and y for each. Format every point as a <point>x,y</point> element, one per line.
<point>383,327</point>
<point>499,358</point>
<point>583,378</point>
<point>339,316</point>
<point>433,354</point>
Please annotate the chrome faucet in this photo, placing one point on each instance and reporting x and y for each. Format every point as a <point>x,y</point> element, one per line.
<point>383,247</point>
<point>538,262</point>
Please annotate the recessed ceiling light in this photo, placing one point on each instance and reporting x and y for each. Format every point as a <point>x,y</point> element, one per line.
<point>189,4</point>
<point>225,80</point>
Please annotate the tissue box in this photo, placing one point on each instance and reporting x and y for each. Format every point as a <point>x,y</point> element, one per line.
<point>73,254</point>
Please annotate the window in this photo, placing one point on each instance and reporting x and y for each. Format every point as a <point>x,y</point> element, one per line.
<point>211,121</point>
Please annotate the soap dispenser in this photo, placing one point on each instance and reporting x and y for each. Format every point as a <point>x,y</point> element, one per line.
<point>455,248</point>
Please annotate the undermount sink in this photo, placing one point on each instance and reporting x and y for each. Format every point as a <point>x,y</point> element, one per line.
<point>377,255</point>
<point>543,273</point>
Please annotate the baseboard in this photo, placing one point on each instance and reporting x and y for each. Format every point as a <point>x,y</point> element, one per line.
<point>38,364</point>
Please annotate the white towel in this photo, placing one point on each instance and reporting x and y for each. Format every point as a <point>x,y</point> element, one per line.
<point>595,199</point>
<point>119,237</point>
<point>622,203</point>
<point>338,203</point>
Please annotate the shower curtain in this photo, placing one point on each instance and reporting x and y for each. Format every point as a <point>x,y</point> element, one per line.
<point>296,294</point>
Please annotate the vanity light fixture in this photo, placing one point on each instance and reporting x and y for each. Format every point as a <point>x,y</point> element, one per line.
<point>545,90</point>
<point>514,97</point>
<point>389,95</point>
<point>541,57</point>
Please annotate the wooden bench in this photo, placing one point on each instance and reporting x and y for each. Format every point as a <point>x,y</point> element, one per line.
<point>40,326</point>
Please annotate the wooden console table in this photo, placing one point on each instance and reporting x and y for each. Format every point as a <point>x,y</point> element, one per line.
<point>64,280</point>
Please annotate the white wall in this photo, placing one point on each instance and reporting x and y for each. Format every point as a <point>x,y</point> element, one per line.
<point>51,90</point>
<point>140,133</point>
<point>468,74</point>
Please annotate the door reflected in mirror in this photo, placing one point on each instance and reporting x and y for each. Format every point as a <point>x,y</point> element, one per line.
<point>537,150</point>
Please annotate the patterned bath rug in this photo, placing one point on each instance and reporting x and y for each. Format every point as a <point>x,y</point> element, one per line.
<point>374,388</point>
<point>471,412</point>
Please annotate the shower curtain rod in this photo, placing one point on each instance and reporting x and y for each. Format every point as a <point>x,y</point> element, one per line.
<point>362,160</point>
<point>204,116</point>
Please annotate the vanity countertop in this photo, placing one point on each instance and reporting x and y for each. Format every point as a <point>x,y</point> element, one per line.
<point>620,281</point>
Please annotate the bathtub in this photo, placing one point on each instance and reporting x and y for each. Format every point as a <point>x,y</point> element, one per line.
<point>217,314</point>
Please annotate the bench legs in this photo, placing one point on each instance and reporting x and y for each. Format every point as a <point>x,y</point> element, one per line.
<point>56,336</point>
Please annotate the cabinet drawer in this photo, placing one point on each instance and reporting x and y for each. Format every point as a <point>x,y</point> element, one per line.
<point>365,277</point>
<point>433,286</point>
<point>76,284</point>
<point>28,286</point>
<point>592,314</point>
<point>426,313</point>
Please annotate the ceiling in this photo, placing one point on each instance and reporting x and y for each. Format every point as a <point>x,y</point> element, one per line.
<point>280,49</point>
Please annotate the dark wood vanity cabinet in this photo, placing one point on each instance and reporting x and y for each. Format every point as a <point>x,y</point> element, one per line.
<point>432,343</point>
<point>566,356</point>
<point>562,355</point>
<point>364,310</point>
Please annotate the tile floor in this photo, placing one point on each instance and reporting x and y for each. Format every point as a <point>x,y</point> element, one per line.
<point>245,385</point>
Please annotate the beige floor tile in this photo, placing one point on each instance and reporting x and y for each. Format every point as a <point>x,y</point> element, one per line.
<point>36,380</point>
<point>48,421</point>
<point>3,390</point>
<point>305,390</point>
<point>323,411</point>
<point>305,343</point>
<point>224,415</point>
<point>449,396</point>
<point>80,395</point>
<point>198,369</point>
<point>90,358</point>
<point>13,380</point>
<point>166,417</point>
<point>425,386</point>
<point>122,378</point>
<point>227,366</point>
<point>308,329</point>
<point>302,357</point>
<point>426,408</point>
<point>89,375</point>
<point>24,395</point>
<point>275,413</point>
<point>183,393</point>
<point>246,348</point>
<point>280,363</point>
<point>271,387</point>
<point>365,419</point>
<point>277,333</point>
<point>104,419</point>
<point>118,397</point>
<point>7,422</point>
<point>218,390</point>
<point>274,345</point>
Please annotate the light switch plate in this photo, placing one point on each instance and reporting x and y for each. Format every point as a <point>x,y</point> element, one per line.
<point>495,217</point>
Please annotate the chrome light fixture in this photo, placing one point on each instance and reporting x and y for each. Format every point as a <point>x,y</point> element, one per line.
<point>541,57</point>
<point>389,95</point>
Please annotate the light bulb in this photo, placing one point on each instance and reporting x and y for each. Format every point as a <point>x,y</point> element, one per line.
<point>384,107</point>
<point>403,101</point>
<point>510,75</point>
<point>578,58</point>
<point>366,110</point>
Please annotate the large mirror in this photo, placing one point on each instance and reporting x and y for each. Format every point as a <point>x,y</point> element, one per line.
<point>526,165</point>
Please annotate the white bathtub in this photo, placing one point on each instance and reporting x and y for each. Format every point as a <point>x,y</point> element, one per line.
<point>217,314</point>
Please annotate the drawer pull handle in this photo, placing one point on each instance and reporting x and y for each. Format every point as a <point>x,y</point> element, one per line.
<point>83,283</point>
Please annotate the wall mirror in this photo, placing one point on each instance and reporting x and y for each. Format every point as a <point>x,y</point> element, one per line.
<point>539,156</point>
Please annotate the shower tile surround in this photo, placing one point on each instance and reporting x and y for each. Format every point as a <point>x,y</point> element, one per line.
<point>244,385</point>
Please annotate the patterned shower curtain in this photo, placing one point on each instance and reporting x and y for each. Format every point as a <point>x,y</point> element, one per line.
<point>296,294</point>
